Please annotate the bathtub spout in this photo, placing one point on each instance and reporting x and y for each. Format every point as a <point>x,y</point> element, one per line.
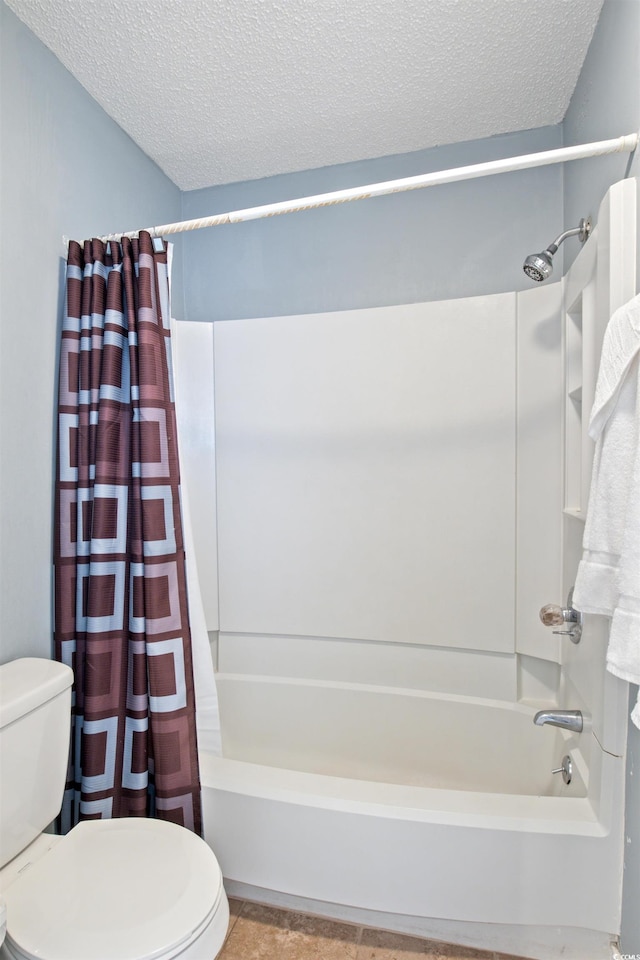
<point>567,719</point>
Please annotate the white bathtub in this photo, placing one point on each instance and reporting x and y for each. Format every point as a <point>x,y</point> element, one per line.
<point>413,804</point>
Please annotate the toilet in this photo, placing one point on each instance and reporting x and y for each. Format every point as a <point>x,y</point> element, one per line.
<point>122,889</point>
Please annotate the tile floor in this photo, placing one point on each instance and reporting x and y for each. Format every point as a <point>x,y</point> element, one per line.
<point>266,933</point>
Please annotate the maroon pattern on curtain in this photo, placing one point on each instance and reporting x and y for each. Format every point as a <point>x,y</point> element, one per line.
<point>121,619</point>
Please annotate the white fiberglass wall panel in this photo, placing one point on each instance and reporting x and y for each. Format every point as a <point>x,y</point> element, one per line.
<point>539,454</point>
<point>193,374</point>
<point>366,473</point>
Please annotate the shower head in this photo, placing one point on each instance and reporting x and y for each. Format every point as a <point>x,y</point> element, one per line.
<point>539,266</point>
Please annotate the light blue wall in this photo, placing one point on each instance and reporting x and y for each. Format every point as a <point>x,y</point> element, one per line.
<point>67,169</point>
<point>456,240</point>
<point>605,104</point>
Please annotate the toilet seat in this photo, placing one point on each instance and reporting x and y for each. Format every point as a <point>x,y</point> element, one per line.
<point>128,889</point>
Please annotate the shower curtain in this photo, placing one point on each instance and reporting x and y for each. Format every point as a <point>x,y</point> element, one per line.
<point>121,606</point>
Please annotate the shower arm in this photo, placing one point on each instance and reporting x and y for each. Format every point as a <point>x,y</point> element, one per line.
<point>582,231</point>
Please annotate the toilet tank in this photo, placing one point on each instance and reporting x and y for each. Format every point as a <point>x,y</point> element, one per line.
<point>35,724</point>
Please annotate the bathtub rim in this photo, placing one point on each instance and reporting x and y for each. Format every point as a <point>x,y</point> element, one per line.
<point>494,811</point>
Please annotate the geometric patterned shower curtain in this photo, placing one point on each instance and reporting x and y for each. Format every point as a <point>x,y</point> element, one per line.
<point>121,618</point>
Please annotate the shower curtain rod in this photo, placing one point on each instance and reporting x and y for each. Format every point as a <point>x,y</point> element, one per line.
<point>625,144</point>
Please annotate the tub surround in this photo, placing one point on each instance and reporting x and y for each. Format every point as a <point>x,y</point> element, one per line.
<point>380,756</point>
<point>328,485</point>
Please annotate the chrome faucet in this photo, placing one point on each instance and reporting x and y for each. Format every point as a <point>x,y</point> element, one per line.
<point>567,719</point>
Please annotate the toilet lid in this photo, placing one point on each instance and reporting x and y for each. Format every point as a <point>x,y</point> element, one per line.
<point>129,889</point>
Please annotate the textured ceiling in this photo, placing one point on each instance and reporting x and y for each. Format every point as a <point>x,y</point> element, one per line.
<point>217,91</point>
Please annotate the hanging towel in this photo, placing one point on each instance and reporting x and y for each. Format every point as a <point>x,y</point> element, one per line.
<point>608,580</point>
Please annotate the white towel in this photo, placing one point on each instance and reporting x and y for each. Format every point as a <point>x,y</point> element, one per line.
<point>608,580</point>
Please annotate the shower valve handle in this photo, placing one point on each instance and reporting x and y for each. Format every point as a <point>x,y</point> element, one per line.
<point>553,615</point>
